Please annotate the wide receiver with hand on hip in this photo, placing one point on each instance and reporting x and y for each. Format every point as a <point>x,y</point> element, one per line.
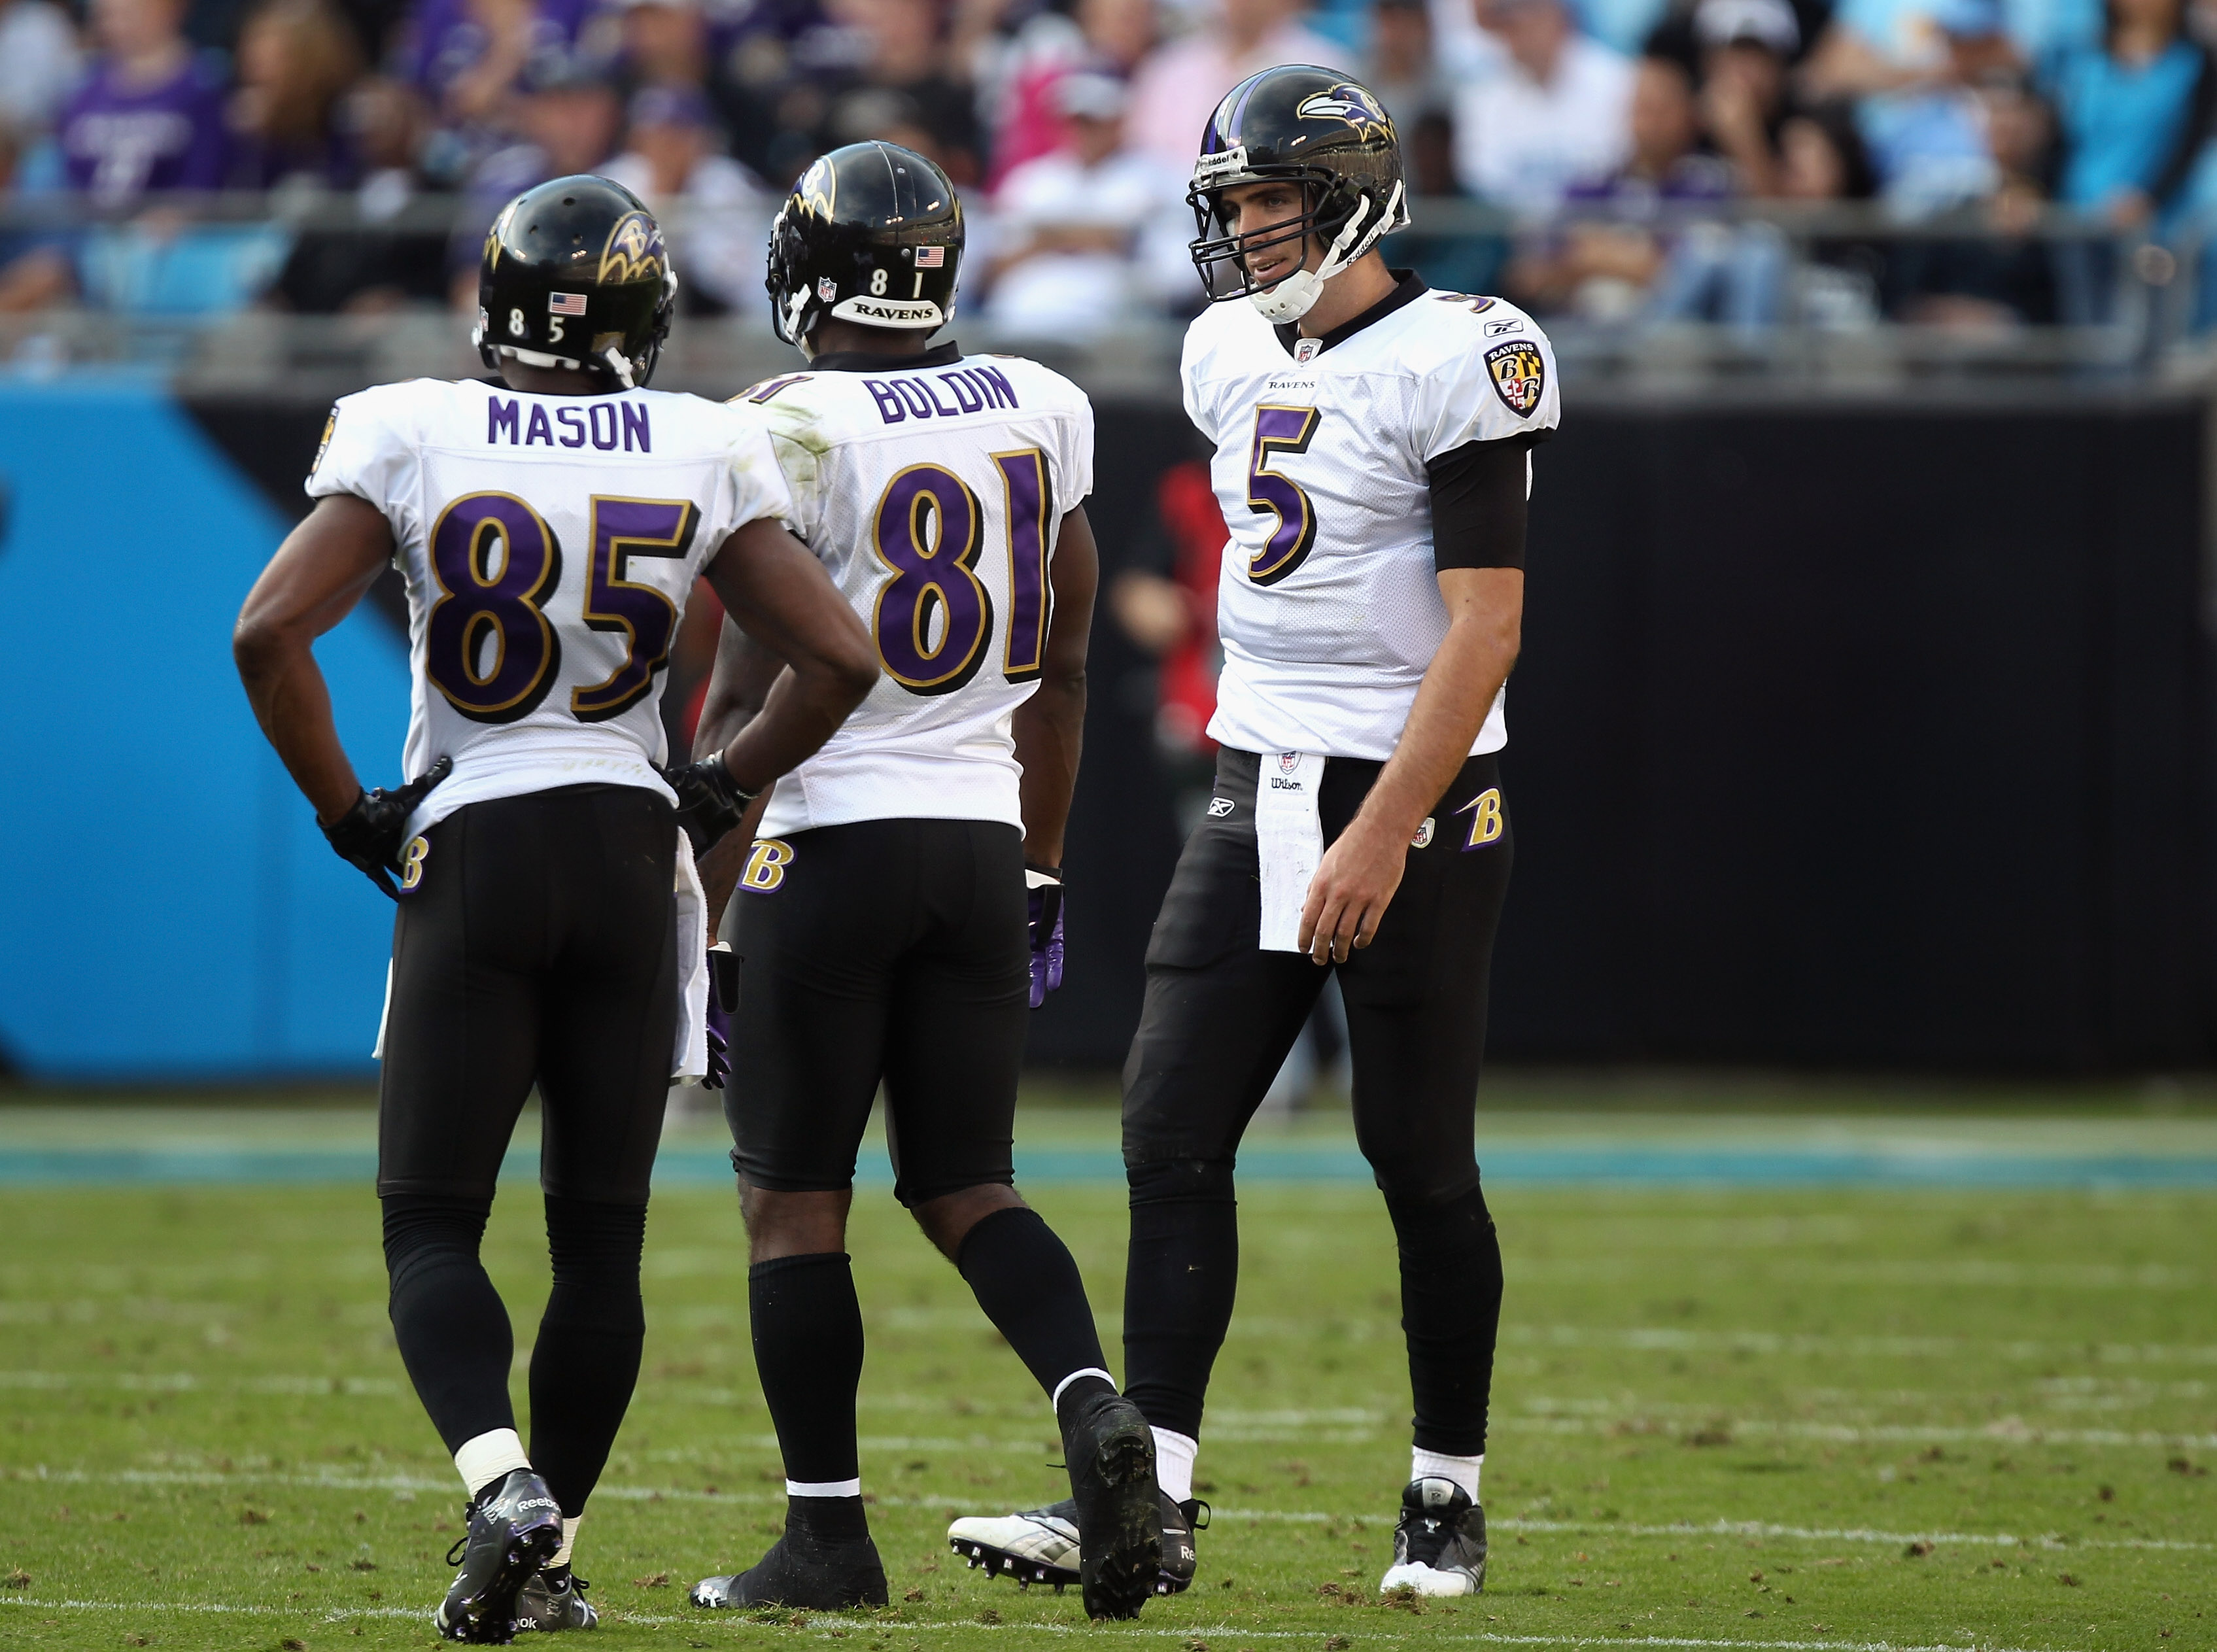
<point>880,915</point>
<point>551,928</point>
<point>1372,460</point>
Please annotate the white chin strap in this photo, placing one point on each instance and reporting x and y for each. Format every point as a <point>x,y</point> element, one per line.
<point>618,364</point>
<point>1296,295</point>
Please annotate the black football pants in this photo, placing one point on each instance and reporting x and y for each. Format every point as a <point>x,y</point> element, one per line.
<point>1218,1017</point>
<point>539,947</point>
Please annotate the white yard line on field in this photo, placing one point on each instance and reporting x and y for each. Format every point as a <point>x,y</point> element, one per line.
<point>862,1623</point>
<point>411,1484</point>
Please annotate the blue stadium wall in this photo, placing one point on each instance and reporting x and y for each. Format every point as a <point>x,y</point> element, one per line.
<point>171,913</point>
<point>1873,735</point>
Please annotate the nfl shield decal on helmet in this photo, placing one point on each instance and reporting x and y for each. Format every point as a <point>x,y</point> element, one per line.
<point>1519,377</point>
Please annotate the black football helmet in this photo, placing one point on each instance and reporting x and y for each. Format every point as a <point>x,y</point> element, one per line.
<point>575,275</point>
<point>1317,128</point>
<point>873,232</point>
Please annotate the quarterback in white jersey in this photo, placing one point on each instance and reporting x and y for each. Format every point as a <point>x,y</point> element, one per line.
<point>901,904</point>
<point>550,927</point>
<point>1373,461</point>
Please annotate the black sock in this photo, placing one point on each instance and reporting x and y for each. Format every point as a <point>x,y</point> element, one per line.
<point>808,1351</point>
<point>1026,1281</point>
<point>828,1519</point>
<point>449,1321</point>
<point>1451,1314</point>
<point>585,1363</point>
<point>1179,1282</point>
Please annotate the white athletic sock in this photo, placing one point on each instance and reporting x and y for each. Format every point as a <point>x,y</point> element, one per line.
<point>569,1541</point>
<point>1463,1470</point>
<point>493,1456</point>
<point>824,1487</point>
<point>1174,1454</point>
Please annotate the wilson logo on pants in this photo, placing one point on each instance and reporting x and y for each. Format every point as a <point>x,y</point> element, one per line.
<point>766,866</point>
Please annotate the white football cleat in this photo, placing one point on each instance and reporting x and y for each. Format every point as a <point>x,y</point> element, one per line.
<point>1037,1546</point>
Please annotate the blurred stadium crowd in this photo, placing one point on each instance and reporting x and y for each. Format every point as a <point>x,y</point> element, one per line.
<point>1606,159</point>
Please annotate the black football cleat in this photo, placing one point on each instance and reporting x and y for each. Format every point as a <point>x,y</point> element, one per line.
<point>1439,1544</point>
<point>802,1570</point>
<point>1110,1451</point>
<point>554,1599</point>
<point>515,1527</point>
<point>1040,1545</point>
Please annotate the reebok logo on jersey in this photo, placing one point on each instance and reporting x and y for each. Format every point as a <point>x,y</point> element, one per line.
<point>1507,324</point>
<point>1219,808</point>
<point>1520,377</point>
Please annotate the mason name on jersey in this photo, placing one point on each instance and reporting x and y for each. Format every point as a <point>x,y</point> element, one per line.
<point>1328,606</point>
<point>549,544</point>
<point>933,494</point>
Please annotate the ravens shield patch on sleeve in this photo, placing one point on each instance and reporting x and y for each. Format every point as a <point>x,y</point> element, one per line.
<point>1519,375</point>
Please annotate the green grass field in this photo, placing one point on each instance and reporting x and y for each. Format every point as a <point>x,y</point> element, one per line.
<point>1786,1419</point>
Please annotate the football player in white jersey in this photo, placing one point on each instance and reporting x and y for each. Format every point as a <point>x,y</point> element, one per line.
<point>1373,443</point>
<point>550,927</point>
<point>900,907</point>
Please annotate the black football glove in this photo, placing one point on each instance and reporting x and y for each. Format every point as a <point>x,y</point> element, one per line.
<point>709,802</point>
<point>368,835</point>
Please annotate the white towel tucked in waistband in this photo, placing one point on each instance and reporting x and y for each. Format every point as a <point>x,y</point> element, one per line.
<point>1289,839</point>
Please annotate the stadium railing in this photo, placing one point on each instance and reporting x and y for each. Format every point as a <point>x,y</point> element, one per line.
<point>180,284</point>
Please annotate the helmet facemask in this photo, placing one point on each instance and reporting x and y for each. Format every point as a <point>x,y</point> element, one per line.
<point>1345,220</point>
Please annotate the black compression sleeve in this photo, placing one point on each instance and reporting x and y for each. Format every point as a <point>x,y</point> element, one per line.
<point>1477,505</point>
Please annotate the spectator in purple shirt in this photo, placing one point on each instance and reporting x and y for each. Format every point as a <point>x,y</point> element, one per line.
<point>149,116</point>
<point>1602,265</point>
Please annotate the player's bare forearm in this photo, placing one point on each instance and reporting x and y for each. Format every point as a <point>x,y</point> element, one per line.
<point>781,597</point>
<point>1357,879</point>
<point>739,687</point>
<point>1485,610</point>
<point>318,574</point>
<point>1050,727</point>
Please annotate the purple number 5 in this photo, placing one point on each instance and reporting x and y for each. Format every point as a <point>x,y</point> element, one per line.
<point>1280,430</point>
<point>623,528</point>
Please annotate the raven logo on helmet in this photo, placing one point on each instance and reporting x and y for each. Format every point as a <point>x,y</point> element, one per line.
<point>1352,103</point>
<point>634,251</point>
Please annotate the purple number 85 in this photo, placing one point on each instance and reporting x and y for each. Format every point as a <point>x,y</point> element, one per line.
<point>1280,430</point>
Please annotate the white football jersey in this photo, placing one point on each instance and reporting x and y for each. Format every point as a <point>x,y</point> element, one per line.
<point>934,493</point>
<point>1328,606</point>
<point>549,543</point>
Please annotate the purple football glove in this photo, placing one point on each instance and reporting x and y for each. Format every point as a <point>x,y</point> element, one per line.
<point>1044,886</point>
<point>723,999</point>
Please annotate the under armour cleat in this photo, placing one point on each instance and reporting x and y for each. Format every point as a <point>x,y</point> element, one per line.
<point>554,1599</point>
<point>1439,1544</point>
<point>1040,1545</point>
<point>1111,1454</point>
<point>515,1527</point>
<point>802,1570</point>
